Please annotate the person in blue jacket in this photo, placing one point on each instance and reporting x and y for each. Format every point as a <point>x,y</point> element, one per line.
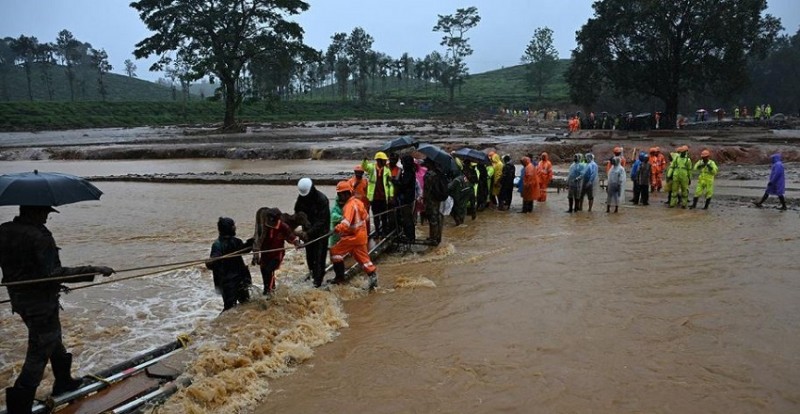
<point>777,183</point>
<point>575,182</point>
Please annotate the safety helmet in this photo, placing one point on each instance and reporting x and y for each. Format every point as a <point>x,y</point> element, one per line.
<point>304,186</point>
<point>683,148</point>
<point>380,155</point>
<point>343,186</point>
<point>653,150</point>
<point>617,150</point>
<point>358,168</point>
<point>705,153</point>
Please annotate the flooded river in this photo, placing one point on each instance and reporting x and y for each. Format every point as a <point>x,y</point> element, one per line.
<point>650,310</point>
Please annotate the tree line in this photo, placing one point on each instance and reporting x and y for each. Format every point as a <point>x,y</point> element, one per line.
<point>629,53</point>
<point>81,64</point>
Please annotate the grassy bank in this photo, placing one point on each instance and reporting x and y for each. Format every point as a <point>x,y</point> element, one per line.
<point>32,116</point>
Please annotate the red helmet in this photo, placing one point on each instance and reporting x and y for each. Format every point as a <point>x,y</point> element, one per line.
<point>358,168</point>
<point>705,153</point>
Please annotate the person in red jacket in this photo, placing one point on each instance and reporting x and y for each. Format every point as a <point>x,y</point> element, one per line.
<point>273,237</point>
<point>353,232</point>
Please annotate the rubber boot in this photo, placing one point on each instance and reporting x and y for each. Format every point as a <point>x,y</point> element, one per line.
<point>62,370</point>
<point>591,203</point>
<point>763,199</point>
<point>570,205</point>
<point>694,203</point>
<point>338,270</point>
<point>616,209</point>
<point>669,197</point>
<point>783,203</point>
<point>608,208</point>
<point>708,201</point>
<point>19,401</point>
<point>373,281</point>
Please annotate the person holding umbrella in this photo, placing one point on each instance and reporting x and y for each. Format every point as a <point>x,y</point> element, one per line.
<point>28,252</point>
<point>29,260</point>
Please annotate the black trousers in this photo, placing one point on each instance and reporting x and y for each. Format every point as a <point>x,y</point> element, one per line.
<point>268,268</point>
<point>405,216</point>
<point>44,343</point>
<point>316,256</point>
<point>381,221</point>
<point>234,291</point>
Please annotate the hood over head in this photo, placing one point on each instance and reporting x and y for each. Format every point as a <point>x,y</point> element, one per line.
<point>775,158</point>
<point>226,226</point>
<point>589,157</point>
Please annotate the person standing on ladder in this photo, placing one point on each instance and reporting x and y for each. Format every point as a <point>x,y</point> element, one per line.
<point>28,252</point>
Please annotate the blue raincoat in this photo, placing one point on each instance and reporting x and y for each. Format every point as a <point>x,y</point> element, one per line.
<point>777,180</point>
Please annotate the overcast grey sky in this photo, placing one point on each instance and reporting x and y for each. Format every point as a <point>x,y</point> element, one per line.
<point>397,26</point>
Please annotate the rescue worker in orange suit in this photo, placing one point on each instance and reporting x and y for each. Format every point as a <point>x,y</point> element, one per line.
<point>353,236</point>
<point>545,173</point>
<point>658,165</point>
<point>359,185</point>
<point>530,185</point>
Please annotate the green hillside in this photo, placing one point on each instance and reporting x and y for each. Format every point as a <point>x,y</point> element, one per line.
<point>120,88</point>
<point>504,87</point>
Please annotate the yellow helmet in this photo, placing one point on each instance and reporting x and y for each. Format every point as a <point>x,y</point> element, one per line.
<point>381,156</point>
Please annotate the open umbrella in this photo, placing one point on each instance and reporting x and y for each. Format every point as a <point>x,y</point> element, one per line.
<point>441,158</point>
<point>469,154</point>
<point>45,189</point>
<point>397,144</point>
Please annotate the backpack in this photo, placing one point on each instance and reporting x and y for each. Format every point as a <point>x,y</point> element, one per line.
<point>436,187</point>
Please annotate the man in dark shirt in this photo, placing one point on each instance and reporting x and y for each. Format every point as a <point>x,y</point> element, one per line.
<point>28,252</point>
<point>316,207</point>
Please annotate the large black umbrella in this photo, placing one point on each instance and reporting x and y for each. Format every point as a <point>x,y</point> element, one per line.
<point>469,154</point>
<point>397,144</point>
<point>45,189</point>
<point>438,156</point>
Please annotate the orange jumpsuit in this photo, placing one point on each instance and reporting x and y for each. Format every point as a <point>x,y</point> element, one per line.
<point>353,232</point>
<point>545,173</point>
<point>530,181</point>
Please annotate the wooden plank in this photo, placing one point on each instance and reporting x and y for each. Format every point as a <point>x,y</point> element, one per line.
<point>112,396</point>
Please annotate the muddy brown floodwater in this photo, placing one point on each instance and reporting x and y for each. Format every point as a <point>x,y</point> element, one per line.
<point>651,310</point>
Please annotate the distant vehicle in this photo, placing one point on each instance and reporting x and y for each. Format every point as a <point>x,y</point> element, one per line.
<point>779,117</point>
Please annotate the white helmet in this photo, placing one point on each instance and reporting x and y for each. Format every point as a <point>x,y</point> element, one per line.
<point>304,186</point>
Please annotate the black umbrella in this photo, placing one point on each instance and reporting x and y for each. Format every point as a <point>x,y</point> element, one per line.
<point>45,189</point>
<point>438,156</point>
<point>469,154</point>
<point>400,143</point>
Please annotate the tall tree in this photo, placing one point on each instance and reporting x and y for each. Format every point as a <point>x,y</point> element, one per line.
<point>26,48</point>
<point>68,50</point>
<point>455,27</point>
<point>645,47</point>
<point>46,60</point>
<point>540,59</point>
<point>8,59</point>
<point>337,61</point>
<point>130,68</point>
<point>219,37</point>
<point>99,59</point>
<point>359,48</point>
<point>776,79</point>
